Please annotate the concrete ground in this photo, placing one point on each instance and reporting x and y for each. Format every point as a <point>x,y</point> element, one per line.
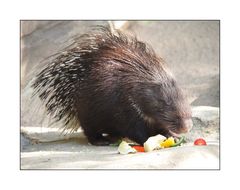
<point>77,154</point>
<point>190,48</point>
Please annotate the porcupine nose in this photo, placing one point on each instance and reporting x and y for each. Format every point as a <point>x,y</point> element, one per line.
<point>188,124</point>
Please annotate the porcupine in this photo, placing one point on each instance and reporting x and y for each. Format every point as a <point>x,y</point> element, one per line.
<point>111,83</point>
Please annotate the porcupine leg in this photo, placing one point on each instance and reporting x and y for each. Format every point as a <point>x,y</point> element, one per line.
<point>98,139</point>
<point>95,138</point>
<point>138,133</point>
<point>95,135</point>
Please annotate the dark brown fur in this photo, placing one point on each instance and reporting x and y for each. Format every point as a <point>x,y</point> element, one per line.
<point>114,84</point>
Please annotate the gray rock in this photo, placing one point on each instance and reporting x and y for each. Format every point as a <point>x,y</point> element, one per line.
<point>205,114</point>
<point>71,155</point>
<point>205,124</point>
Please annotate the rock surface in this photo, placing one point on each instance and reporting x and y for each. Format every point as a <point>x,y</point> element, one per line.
<point>71,155</point>
<point>205,124</point>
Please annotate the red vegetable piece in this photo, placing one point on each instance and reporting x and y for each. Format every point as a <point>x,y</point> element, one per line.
<point>200,142</point>
<point>139,148</point>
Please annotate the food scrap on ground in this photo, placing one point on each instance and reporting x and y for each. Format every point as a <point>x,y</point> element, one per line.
<point>200,141</point>
<point>125,148</point>
<point>179,142</point>
<point>138,148</point>
<point>153,143</point>
<point>168,142</point>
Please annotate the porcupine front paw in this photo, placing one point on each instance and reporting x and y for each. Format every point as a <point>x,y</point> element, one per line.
<point>101,140</point>
<point>98,141</point>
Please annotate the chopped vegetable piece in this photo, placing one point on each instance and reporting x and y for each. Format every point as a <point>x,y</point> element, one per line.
<point>153,143</point>
<point>116,143</point>
<point>139,148</point>
<point>200,141</point>
<point>178,143</point>
<point>124,148</point>
<point>168,142</point>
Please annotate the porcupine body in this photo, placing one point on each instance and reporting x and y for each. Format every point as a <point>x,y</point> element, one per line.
<point>110,83</point>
